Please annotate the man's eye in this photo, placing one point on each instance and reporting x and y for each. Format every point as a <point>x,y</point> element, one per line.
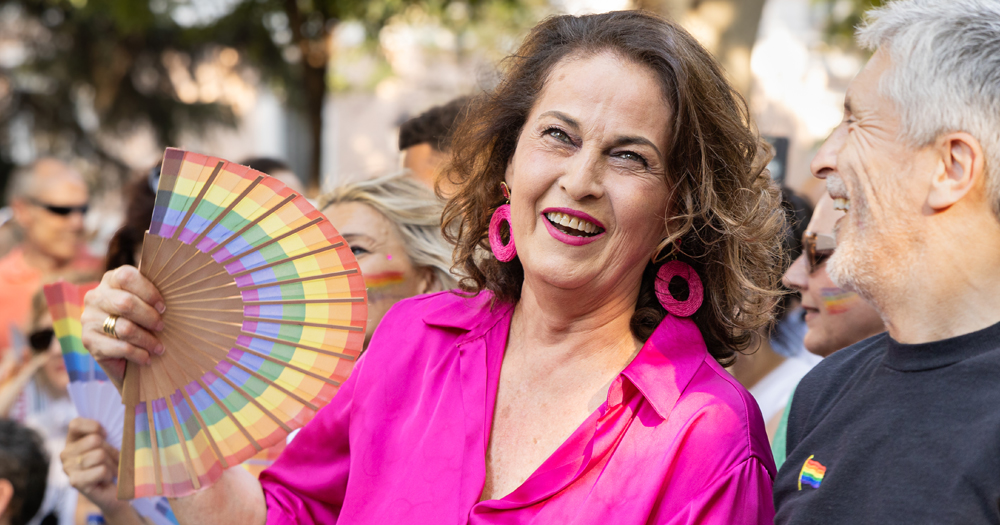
<point>357,251</point>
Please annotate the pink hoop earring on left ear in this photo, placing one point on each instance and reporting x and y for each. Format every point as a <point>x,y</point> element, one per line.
<point>696,292</point>
<point>503,253</point>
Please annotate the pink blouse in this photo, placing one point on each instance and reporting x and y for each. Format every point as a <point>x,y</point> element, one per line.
<point>677,441</point>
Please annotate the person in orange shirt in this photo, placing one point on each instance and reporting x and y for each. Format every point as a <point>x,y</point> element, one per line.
<point>49,199</point>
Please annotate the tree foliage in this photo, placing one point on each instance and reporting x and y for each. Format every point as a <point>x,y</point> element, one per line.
<point>842,18</point>
<point>86,71</point>
<point>76,70</point>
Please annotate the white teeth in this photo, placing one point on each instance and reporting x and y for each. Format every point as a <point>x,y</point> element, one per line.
<point>842,204</point>
<point>572,222</point>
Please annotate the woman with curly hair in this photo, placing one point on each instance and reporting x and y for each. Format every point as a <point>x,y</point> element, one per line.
<point>619,239</point>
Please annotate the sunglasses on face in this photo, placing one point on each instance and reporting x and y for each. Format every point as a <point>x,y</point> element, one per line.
<point>62,211</point>
<point>41,339</point>
<point>818,248</point>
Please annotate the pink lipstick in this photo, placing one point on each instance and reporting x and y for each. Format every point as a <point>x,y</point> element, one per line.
<point>584,223</point>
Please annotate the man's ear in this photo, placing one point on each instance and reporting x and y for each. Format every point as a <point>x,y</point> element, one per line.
<point>427,281</point>
<point>961,168</point>
<point>6,494</point>
<point>22,212</point>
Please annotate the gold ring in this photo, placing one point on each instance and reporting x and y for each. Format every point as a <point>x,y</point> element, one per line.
<point>79,462</point>
<point>109,326</point>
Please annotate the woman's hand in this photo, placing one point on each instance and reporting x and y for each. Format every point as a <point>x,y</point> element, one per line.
<point>91,464</point>
<point>128,294</point>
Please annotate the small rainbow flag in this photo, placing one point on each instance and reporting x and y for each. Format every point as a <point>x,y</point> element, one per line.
<point>812,473</point>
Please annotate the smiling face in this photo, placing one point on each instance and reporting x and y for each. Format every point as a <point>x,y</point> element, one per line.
<point>588,184</point>
<point>836,318</point>
<point>389,274</point>
<point>875,177</point>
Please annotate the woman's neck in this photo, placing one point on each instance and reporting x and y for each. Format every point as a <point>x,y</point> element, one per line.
<point>565,327</point>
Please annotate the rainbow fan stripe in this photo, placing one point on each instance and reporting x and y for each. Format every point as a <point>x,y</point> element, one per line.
<point>266,314</point>
<point>65,303</point>
<point>264,459</point>
<point>812,473</point>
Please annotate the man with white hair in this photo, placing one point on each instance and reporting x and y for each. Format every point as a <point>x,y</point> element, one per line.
<point>904,427</point>
<point>49,199</point>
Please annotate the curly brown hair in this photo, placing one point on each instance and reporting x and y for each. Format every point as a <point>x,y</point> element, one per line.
<point>723,217</point>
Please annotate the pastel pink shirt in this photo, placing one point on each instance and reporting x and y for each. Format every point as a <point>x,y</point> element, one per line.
<point>677,441</point>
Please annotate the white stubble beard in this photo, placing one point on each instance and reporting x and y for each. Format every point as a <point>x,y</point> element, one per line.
<point>855,264</point>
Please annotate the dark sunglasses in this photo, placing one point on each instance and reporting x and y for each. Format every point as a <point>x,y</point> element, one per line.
<point>62,210</point>
<point>41,339</point>
<point>818,248</point>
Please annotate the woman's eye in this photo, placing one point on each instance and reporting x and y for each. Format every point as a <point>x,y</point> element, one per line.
<point>632,156</point>
<point>357,251</point>
<point>559,135</point>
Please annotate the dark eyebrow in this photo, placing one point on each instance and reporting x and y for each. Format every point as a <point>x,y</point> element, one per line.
<point>620,141</point>
<point>563,117</point>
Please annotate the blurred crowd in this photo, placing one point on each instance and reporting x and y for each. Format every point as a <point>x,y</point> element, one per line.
<point>393,225</point>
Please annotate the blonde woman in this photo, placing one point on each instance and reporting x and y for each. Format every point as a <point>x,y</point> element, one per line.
<point>393,225</point>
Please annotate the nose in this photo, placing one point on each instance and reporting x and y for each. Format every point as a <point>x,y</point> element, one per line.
<point>583,176</point>
<point>825,161</point>
<point>797,275</point>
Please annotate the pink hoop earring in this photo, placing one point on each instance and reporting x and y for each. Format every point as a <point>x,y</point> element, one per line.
<point>503,253</point>
<point>696,293</point>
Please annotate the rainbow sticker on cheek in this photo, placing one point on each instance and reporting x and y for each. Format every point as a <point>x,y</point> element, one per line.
<point>381,280</point>
<point>837,300</point>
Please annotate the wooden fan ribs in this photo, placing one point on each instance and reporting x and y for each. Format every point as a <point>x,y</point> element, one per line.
<point>246,357</point>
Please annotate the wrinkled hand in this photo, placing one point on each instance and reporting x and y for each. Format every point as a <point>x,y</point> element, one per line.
<point>92,464</point>
<point>128,294</point>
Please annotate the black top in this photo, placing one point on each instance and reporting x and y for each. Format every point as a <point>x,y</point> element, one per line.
<point>896,433</point>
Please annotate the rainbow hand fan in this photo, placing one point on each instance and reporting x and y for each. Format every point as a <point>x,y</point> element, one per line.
<point>93,395</point>
<point>265,316</point>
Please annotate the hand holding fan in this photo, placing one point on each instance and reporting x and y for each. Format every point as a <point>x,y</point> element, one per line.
<point>93,395</point>
<point>265,317</point>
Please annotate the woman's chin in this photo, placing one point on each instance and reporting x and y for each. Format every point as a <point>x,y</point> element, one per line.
<point>566,277</point>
